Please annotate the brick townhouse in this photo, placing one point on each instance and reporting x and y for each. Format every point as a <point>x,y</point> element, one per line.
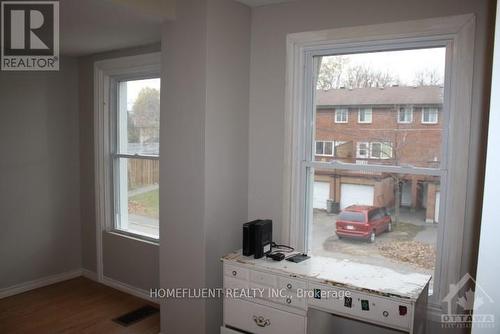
<point>392,126</point>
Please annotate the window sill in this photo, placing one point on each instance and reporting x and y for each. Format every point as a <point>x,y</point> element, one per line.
<point>133,236</point>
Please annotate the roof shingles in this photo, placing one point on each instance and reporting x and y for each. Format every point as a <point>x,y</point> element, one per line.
<point>380,96</point>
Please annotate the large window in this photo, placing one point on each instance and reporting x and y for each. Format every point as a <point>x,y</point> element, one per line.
<point>410,177</point>
<point>379,201</point>
<point>127,148</point>
<point>136,157</point>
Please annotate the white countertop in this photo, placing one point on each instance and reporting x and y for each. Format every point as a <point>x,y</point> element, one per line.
<point>344,273</point>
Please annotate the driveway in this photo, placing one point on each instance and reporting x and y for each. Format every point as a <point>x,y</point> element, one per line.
<point>410,247</point>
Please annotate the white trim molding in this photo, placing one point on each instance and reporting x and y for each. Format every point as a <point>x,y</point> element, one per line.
<point>53,279</point>
<point>106,72</point>
<point>39,283</point>
<point>456,34</point>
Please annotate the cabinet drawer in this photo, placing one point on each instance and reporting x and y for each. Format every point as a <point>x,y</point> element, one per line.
<point>263,278</point>
<point>235,272</point>
<point>234,283</point>
<point>260,319</point>
<point>291,284</point>
<point>293,301</point>
<point>225,330</point>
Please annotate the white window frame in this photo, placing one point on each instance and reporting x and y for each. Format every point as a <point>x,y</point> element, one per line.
<point>430,108</point>
<point>324,142</point>
<point>106,74</point>
<point>342,111</point>
<point>364,110</point>
<point>358,149</point>
<point>406,109</point>
<point>457,34</point>
<point>381,150</point>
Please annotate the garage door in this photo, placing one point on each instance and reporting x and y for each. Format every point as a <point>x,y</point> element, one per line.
<point>321,194</point>
<point>355,194</point>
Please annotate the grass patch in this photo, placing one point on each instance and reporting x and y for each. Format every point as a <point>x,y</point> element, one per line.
<point>145,204</point>
<point>406,231</point>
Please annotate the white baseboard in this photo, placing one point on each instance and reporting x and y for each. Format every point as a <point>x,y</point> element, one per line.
<point>38,283</point>
<point>91,275</point>
<point>44,281</point>
<point>144,294</point>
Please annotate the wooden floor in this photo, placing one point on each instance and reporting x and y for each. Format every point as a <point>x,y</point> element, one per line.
<point>75,306</point>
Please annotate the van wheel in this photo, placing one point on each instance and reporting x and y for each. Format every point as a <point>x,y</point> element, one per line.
<point>372,237</point>
<point>389,227</point>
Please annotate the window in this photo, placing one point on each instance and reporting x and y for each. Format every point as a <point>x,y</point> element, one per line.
<point>324,148</point>
<point>341,115</point>
<point>365,115</point>
<point>429,115</point>
<point>405,115</point>
<point>380,150</point>
<point>362,151</point>
<point>127,131</point>
<point>412,185</point>
<point>136,157</point>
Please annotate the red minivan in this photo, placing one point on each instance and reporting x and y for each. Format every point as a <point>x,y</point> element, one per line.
<point>363,222</point>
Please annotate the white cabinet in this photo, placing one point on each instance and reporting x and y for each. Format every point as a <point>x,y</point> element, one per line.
<point>283,292</point>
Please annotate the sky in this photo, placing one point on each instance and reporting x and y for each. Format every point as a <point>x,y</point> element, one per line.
<point>403,64</point>
<point>135,86</point>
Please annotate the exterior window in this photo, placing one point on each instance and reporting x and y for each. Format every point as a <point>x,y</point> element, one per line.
<point>136,157</point>
<point>405,115</point>
<point>380,151</point>
<point>383,171</point>
<point>429,115</point>
<point>341,115</point>
<point>362,151</point>
<point>324,148</point>
<point>365,115</point>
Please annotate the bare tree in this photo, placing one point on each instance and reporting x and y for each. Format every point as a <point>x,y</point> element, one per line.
<point>428,78</point>
<point>365,77</point>
<point>335,72</point>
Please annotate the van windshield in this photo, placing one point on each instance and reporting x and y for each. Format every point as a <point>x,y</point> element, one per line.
<point>352,216</point>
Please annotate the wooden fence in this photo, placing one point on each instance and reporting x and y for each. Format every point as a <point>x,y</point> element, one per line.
<point>143,172</point>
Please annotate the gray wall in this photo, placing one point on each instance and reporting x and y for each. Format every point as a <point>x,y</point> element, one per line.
<point>39,174</point>
<point>271,24</point>
<point>141,256</point>
<point>204,153</point>
<point>130,261</point>
<point>226,139</point>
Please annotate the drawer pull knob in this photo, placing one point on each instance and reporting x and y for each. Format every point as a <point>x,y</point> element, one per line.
<point>261,321</point>
<point>289,286</point>
<point>288,301</point>
<point>234,273</point>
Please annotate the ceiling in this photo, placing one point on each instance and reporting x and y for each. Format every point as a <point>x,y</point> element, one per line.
<point>258,3</point>
<point>93,26</point>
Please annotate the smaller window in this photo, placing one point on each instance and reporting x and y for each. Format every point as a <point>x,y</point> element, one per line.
<point>405,115</point>
<point>362,151</point>
<point>365,115</point>
<point>429,115</point>
<point>324,148</point>
<point>341,115</point>
<point>380,150</point>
